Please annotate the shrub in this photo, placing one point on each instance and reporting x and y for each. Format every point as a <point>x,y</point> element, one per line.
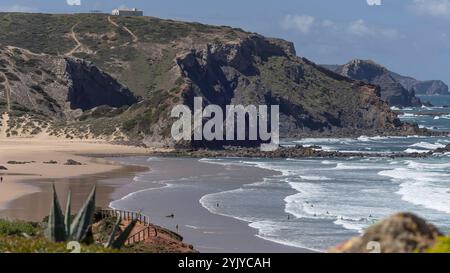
<point>442,246</point>
<point>16,244</point>
<point>8,228</point>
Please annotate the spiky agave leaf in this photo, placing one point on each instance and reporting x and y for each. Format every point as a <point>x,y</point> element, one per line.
<point>113,233</point>
<point>68,216</point>
<point>56,230</point>
<point>120,241</point>
<point>83,221</point>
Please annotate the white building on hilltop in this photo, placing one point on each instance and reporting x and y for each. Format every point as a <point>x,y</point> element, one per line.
<point>128,12</point>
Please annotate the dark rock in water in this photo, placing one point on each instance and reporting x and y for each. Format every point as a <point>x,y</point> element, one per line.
<point>282,152</point>
<point>428,104</point>
<point>3,168</point>
<point>401,233</point>
<point>51,162</point>
<point>73,162</point>
<point>446,149</point>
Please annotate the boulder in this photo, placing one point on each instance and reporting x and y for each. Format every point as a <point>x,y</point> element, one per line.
<point>446,149</point>
<point>72,162</point>
<point>401,233</point>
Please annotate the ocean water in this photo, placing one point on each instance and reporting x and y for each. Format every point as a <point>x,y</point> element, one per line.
<point>318,203</point>
<point>438,118</point>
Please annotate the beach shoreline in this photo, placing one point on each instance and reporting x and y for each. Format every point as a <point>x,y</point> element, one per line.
<point>33,165</point>
<point>177,185</point>
<point>26,189</point>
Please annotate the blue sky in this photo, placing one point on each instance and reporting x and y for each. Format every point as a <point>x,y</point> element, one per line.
<point>411,37</point>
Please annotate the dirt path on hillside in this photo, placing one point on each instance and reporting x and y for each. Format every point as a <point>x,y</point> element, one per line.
<point>112,22</point>
<point>74,37</point>
<point>26,51</point>
<point>7,92</point>
<point>4,128</point>
<point>135,38</point>
<point>80,47</point>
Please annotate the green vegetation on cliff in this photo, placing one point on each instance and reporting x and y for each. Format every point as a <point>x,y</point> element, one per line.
<point>164,63</point>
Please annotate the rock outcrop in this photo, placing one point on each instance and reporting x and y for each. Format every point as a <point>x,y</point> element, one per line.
<point>56,86</point>
<point>401,233</point>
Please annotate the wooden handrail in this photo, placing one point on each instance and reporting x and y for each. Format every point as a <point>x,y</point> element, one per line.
<point>126,215</point>
<point>141,235</point>
<point>145,233</point>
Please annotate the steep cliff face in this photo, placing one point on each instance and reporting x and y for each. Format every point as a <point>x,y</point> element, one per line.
<point>392,91</point>
<point>90,87</point>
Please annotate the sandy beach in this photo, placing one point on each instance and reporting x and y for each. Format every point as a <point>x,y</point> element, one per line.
<point>176,185</point>
<point>30,174</point>
<point>26,189</point>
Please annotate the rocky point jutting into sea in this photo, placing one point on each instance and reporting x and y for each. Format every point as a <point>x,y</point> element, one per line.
<point>169,63</point>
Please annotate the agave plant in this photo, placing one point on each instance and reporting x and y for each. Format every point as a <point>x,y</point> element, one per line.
<point>63,228</point>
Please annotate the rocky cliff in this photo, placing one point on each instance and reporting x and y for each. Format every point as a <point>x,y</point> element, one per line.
<point>434,87</point>
<point>392,91</point>
<point>121,76</point>
<point>57,86</point>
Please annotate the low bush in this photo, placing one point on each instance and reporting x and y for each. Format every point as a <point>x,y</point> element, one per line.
<point>17,244</point>
<point>8,228</point>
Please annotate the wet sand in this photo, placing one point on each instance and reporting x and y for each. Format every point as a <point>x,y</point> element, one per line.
<point>175,186</point>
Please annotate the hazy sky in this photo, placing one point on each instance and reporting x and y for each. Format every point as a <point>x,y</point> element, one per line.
<point>411,37</point>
